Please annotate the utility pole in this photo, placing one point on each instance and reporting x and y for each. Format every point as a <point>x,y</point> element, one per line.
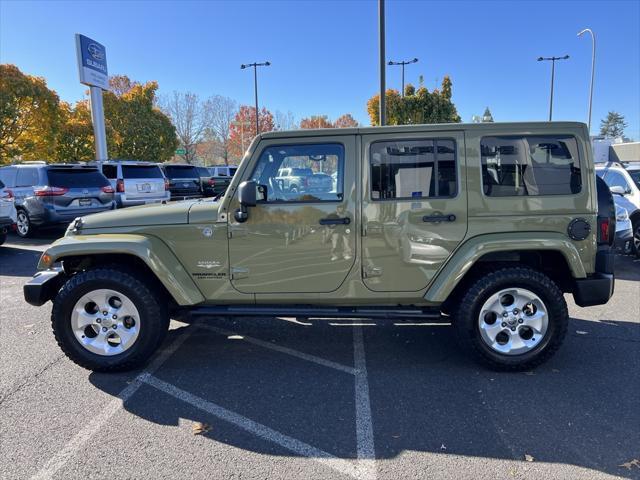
<point>553,69</point>
<point>382,106</point>
<point>402,64</point>
<point>255,87</point>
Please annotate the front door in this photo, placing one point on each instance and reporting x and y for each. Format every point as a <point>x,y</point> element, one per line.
<point>414,207</point>
<point>302,237</point>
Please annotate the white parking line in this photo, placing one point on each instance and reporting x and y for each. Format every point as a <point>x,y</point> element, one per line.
<point>288,351</point>
<point>296,446</point>
<point>364,425</point>
<point>59,460</point>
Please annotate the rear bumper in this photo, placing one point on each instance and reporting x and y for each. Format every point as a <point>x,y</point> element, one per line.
<point>51,216</point>
<point>123,201</point>
<point>43,286</point>
<point>598,288</point>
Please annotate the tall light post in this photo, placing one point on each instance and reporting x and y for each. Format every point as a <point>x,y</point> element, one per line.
<point>593,67</point>
<point>255,86</point>
<point>553,69</point>
<point>402,64</point>
<point>382,106</point>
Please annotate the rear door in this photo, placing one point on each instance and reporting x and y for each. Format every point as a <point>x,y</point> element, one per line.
<point>142,181</point>
<point>414,207</point>
<point>297,241</point>
<point>78,191</point>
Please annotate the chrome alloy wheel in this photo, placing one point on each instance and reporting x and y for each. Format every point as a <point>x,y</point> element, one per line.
<point>105,322</point>
<point>636,239</point>
<point>22,223</point>
<point>513,321</point>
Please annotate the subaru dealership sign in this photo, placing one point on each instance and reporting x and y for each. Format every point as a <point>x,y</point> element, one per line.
<point>92,62</point>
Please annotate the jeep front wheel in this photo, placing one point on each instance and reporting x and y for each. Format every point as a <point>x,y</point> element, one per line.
<point>512,319</point>
<point>108,320</point>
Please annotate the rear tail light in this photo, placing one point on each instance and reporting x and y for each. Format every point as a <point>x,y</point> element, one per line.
<point>606,231</point>
<point>166,184</point>
<point>120,186</point>
<point>50,191</point>
<point>108,189</point>
<point>212,182</point>
<point>7,195</point>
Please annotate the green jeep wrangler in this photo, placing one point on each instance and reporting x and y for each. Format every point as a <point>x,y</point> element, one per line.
<point>484,225</point>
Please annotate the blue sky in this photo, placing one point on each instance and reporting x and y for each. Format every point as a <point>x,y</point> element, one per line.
<point>324,53</point>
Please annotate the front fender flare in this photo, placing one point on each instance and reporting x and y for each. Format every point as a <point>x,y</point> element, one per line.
<point>151,250</point>
<point>469,252</point>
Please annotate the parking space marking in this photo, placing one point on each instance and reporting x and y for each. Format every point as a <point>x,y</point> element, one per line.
<point>59,460</point>
<point>347,467</point>
<point>364,424</point>
<point>285,350</point>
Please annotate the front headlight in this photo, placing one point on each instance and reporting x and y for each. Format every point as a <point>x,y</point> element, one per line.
<point>621,214</point>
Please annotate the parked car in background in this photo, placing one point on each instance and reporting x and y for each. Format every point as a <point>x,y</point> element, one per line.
<point>7,212</point>
<point>624,228</point>
<point>223,170</point>
<point>207,182</point>
<point>54,194</point>
<point>624,182</point>
<point>184,181</point>
<point>136,183</point>
<point>221,179</point>
<point>296,180</point>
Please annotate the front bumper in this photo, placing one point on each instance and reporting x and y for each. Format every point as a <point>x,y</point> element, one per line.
<point>43,286</point>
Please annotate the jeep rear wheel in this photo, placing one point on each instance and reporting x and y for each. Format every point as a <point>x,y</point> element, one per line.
<point>108,320</point>
<point>512,319</point>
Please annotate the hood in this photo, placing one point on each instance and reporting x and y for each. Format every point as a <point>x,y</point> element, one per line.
<point>155,214</point>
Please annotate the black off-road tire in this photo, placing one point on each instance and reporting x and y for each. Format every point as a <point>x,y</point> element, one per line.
<point>154,318</point>
<point>466,314</point>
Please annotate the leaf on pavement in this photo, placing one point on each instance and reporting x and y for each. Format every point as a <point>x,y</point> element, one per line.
<point>528,458</point>
<point>199,428</point>
<point>629,465</point>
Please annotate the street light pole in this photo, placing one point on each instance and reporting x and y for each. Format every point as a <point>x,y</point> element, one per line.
<point>553,69</point>
<point>382,106</point>
<point>593,67</point>
<point>255,86</point>
<point>402,64</point>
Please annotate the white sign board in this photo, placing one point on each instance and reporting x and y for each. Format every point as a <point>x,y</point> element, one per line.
<point>92,62</point>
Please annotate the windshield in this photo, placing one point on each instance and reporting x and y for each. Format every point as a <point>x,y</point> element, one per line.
<point>181,171</point>
<point>141,171</point>
<point>76,178</point>
<point>204,172</point>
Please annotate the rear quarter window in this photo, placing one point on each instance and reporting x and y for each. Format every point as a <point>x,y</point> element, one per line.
<point>76,178</point>
<point>530,165</point>
<point>141,171</point>
<point>27,177</point>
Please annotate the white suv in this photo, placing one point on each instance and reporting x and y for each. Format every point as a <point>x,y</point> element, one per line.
<point>136,183</point>
<point>624,182</point>
<point>7,212</point>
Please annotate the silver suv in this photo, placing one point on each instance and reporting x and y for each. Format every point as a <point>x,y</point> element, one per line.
<point>7,212</point>
<point>55,194</point>
<point>136,183</point>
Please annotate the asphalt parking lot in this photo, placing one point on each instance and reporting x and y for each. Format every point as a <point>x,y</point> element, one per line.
<point>282,398</point>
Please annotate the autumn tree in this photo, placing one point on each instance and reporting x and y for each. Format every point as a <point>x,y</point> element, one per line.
<point>243,128</point>
<point>316,121</point>
<point>223,112</point>
<point>191,117</point>
<point>29,116</point>
<point>346,121</point>
<point>75,138</point>
<point>417,106</point>
<point>613,125</point>
<point>285,121</point>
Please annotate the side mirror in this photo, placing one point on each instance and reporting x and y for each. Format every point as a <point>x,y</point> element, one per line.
<point>617,190</point>
<point>247,194</point>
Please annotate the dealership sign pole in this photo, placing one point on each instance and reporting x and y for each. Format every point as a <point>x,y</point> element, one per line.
<point>92,67</point>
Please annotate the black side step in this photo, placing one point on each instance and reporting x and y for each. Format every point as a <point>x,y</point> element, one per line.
<point>309,311</point>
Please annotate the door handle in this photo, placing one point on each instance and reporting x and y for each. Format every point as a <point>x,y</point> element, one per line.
<point>335,221</point>
<point>439,218</point>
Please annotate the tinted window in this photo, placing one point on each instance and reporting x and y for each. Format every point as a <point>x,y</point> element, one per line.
<point>8,176</point>
<point>76,178</point>
<point>27,177</point>
<point>635,176</point>
<point>1,184</point>
<point>317,161</point>
<point>176,171</point>
<point>110,171</point>
<point>530,165</point>
<point>204,172</point>
<point>232,172</point>
<point>406,169</point>
<point>141,171</point>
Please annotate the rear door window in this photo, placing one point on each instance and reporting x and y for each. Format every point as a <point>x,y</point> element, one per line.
<point>8,176</point>
<point>27,177</point>
<point>76,178</point>
<point>141,171</point>
<point>530,165</point>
